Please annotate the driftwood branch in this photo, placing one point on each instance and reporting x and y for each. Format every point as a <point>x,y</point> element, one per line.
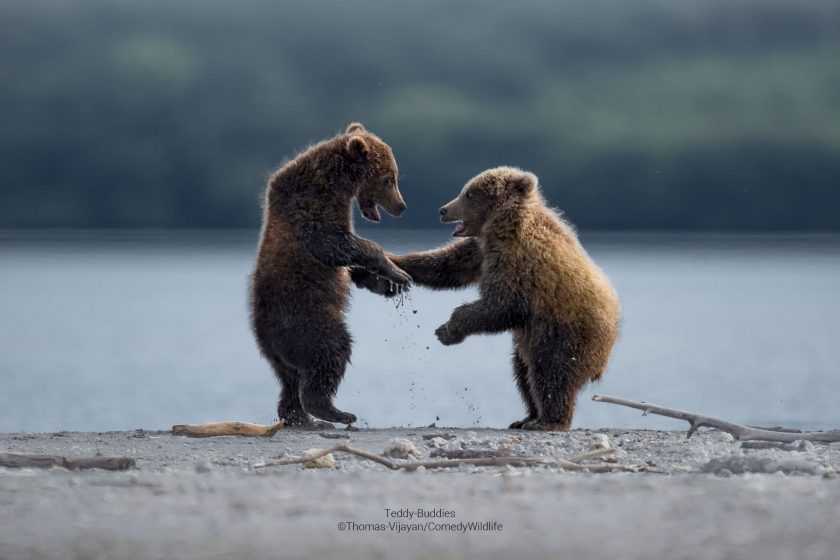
<point>738,431</point>
<point>227,429</point>
<point>27,460</point>
<point>499,460</point>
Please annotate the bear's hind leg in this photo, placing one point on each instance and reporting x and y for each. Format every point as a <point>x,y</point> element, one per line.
<point>555,381</point>
<point>290,407</point>
<point>317,393</point>
<point>520,373</point>
<point>321,377</point>
<point>557,404</point>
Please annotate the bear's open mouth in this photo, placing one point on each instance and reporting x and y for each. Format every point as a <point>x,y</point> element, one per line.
<point>459,229</point>
<point>372,213</point>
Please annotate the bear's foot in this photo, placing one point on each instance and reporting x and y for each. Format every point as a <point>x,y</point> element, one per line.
<point>324,409</point>
<point>519,423</point>
<point>542,425</point>
<point>296,418</point>
<point>302,421</point>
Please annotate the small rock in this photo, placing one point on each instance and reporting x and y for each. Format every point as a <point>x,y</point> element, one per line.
<point>600,441</point>
<point>436,442</point>
<point>202,467</point>
<point>324,462</point>
<point>334,435</point>
<point>401,448</point>
<point>726,438</point>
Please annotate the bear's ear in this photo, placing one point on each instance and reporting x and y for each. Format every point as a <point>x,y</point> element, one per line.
<point>355,127</point>
<point>357,148</point>
<point>522,182</point>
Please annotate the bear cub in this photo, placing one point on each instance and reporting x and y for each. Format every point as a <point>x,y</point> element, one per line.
<point>299,285</point>
<point>535,279</point>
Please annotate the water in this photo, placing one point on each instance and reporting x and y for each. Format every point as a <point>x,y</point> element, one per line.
<point>122,331</point>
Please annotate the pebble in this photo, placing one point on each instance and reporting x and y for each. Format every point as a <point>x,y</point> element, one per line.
<point>324,462</point>
<point>401,448</point>
<point>436,442</point>
<point>601,441</point>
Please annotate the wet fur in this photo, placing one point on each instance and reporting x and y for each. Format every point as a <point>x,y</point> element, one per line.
<point>299,286</point>
<point>536,280</point>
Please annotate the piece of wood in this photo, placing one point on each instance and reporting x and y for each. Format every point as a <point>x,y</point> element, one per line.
<point>594,454</point>
<point>496,461</point>
<point>27,460</point>
<point>245,429</point>
<point>738,431</point>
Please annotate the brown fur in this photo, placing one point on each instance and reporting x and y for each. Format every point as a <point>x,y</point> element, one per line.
<point>536,280</point>
<point>300,281</point>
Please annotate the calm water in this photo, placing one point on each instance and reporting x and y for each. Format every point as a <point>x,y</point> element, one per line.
<point>148,330</point>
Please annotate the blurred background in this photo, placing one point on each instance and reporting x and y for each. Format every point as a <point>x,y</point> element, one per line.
<point>136,138</point>
<point>649,114</point>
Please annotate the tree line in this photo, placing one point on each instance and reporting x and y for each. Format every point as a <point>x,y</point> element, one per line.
<point>635,115</point>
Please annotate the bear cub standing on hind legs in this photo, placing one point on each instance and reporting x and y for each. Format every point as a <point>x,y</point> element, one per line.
<point>535,279</point>
<point>300,281</point>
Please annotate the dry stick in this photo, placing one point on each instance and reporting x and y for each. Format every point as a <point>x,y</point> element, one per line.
<point>27,460</point>
<point>227,429</point>
<point>500,461</point>
<point>595,453</point>
<point>738,431</point>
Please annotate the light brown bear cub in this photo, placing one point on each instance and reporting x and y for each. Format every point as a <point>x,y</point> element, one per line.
<point>535,279</point>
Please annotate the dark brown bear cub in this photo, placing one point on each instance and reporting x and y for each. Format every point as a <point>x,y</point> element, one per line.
<point>535,279</point>
<point>300,281</point>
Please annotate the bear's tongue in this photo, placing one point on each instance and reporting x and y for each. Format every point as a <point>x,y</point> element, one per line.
<point>459,227</point>
<point>372,213</point>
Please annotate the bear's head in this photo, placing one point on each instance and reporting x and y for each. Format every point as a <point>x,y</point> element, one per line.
<point>375,173</point>
<point>492,193</point>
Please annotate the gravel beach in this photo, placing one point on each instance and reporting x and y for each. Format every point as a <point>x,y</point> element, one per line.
<point>707,497</point>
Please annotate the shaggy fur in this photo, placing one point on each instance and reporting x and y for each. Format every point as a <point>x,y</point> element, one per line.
<point>534,279</point>
<point>300,281</point>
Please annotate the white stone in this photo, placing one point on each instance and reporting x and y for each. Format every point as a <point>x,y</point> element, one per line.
<point>324,462</point>
<point>401,448</point>
<point>601,441</point>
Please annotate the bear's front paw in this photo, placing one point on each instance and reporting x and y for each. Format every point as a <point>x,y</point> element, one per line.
<point>400,279</point>
<point>447,335</point>
<point>372,282</point>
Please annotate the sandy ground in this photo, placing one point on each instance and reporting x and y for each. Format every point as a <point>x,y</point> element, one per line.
<point>201,498</point>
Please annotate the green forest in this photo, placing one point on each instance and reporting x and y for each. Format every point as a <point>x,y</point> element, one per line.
<point>642,114</point>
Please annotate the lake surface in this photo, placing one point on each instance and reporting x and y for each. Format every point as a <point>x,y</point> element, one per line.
<point>144,330</point>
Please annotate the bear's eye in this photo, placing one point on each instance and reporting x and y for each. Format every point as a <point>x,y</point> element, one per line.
<point>469,195</point>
